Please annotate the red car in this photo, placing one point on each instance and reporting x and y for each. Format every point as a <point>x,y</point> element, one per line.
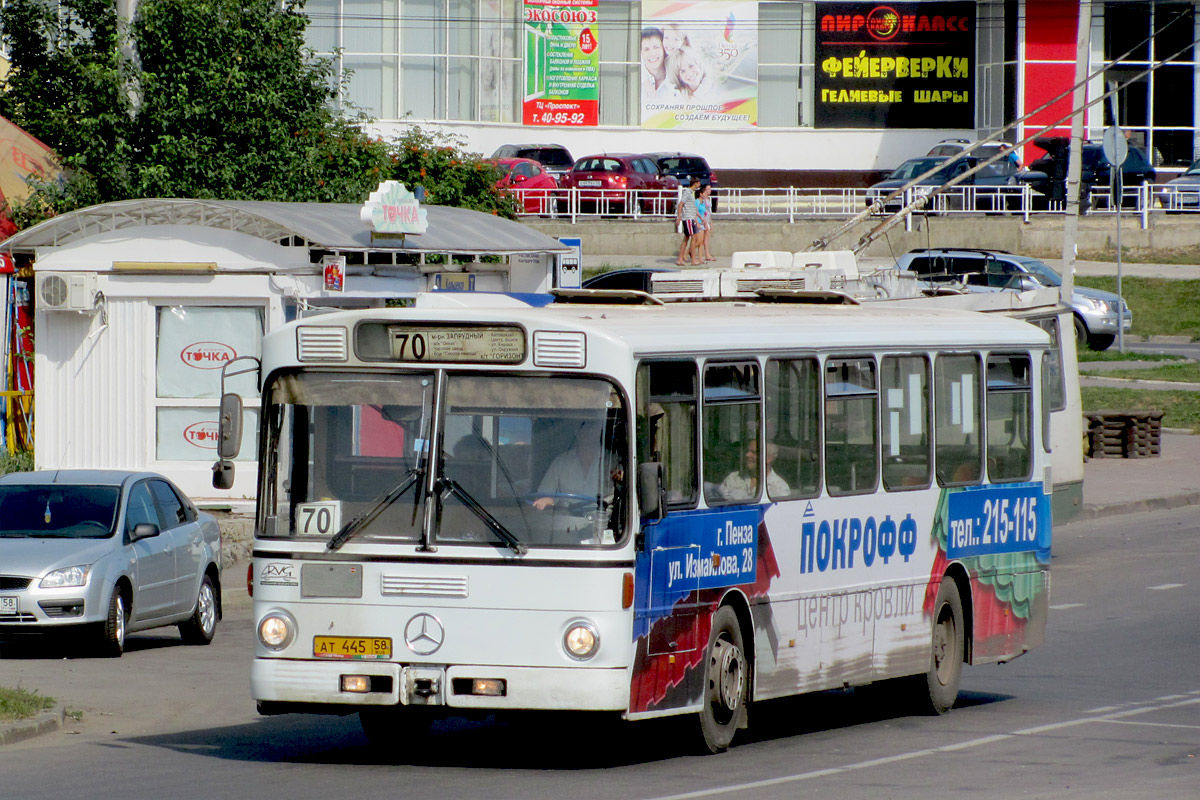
<point>613,182</point>
<point>529,183</point>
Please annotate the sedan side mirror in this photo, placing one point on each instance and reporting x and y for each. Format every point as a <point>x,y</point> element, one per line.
<point>143,530</point>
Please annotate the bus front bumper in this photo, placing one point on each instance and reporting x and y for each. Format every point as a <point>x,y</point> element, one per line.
<point>277,681</point>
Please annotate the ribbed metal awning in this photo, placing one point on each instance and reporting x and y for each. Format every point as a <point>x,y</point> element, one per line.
<point>323,226</point>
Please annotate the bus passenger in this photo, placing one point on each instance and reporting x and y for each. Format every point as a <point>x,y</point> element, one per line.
<point>742,484</point>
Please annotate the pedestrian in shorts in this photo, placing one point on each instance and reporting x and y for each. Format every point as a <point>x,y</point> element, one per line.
<point>687,221</point>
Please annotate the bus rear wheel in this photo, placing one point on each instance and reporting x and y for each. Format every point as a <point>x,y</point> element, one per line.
<point>726,682</point>
<point>947,651</point>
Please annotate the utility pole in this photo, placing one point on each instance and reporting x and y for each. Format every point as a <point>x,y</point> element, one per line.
<point>1083,36</point>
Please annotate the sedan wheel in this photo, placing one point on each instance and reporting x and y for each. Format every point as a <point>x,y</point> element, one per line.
<point>202,625</point>
<point>111,643</point>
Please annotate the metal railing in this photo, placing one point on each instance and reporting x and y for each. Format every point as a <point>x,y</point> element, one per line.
<point>800,203</point>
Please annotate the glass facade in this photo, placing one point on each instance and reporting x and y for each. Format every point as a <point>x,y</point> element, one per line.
<point>463,60</point>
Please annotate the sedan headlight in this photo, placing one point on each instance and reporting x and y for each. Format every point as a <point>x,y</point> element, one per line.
<point>68,576</point>
<point>581,640</point>
<point>276,630</point>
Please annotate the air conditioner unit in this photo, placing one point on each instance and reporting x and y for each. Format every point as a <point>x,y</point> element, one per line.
<point>66,291</point>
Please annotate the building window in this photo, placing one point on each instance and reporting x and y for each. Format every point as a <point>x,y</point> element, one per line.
<point>620,39</point>
<point>193,344</point>
<point>1158,109</point>
<point>785,38</point>
<point>424,59</point>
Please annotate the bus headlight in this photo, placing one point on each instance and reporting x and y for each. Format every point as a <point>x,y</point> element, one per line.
<point>276,630</point>
<point>581,641</point>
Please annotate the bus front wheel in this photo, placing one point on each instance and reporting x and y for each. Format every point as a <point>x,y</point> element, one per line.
<point>726,682</point>
<point>947,651</point>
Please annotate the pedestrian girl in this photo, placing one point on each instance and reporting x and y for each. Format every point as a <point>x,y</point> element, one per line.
<point>704,206</point>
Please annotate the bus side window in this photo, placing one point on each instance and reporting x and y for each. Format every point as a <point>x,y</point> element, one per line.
<point>793,410</point>
<point>957,433</point>
<point>1009,418</point>
<point>851,426</point>
<point>733,461</point>
<point>667,425</point>
<point>1055,383</point>
<point>907,462</point>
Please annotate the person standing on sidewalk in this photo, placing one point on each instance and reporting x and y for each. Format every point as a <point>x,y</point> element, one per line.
<point>704,205</point>
<point>687,220</point>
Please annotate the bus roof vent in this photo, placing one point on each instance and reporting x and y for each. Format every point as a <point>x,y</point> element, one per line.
<point>559,349</point>
<point>321,343</point>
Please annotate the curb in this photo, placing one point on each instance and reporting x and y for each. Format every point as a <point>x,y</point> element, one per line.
<point>1097,510</point>
<point>20,730</point>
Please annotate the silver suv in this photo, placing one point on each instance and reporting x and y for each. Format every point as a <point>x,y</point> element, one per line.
<point>1095,311</point>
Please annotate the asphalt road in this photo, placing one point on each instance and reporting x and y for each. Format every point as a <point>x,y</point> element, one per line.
<point>1109,708</point>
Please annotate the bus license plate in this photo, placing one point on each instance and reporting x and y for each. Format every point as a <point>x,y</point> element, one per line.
<point>359,647</point>
<point>8,606</point>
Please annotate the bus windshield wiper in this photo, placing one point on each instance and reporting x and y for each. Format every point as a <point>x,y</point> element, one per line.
<point>378,507</point>
<point>496,526</point>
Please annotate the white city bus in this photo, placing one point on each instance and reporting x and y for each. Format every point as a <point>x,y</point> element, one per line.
<point>478,505</point>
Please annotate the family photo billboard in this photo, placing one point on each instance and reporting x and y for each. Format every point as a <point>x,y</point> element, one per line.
<point>562,63</point>
<point>699,64</point>
<point>900,65</point>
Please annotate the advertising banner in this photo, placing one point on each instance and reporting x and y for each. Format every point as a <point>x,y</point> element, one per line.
<point>562,63</point>
<point>903,65</point>
<point>699,64</point>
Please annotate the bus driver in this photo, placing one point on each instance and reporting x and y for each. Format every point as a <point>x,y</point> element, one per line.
<point>574,477</point>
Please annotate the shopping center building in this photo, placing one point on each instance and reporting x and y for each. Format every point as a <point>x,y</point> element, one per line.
<point>808,93</point>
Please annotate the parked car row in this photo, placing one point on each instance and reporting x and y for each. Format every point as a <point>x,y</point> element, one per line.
<point>1046,175</point>
<point>606,182</point>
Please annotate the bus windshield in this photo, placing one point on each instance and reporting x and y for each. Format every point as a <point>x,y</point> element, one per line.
<point>523,461</point>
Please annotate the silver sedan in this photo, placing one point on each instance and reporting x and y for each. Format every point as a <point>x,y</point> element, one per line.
<point>105,552</point>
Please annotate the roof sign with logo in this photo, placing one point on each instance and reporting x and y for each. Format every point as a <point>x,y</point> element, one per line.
<point>393,209</point>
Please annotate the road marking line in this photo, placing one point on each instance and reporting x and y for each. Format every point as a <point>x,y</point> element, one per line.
<point>1149,724</point>
<point>967,745</point>
<point>1165,586</point>
<point>1063,606</point>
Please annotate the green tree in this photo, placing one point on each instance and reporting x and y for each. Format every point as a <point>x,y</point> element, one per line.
<point>221,101</point>
<point>450,175</point>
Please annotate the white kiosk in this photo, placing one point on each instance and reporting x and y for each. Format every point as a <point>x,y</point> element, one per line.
<point>139,303</point>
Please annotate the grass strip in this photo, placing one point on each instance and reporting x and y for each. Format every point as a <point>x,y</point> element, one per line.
<point>22,704</point>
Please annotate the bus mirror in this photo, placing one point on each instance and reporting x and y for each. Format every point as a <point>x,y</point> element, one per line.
<point>229,432</point>
<point>652,496</point>
<point>222,474</point>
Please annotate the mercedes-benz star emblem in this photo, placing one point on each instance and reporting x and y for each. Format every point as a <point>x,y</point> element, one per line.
<point>424,634</point>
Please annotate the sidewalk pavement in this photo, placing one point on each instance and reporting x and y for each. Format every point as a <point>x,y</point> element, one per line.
<point>1113,486</point>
